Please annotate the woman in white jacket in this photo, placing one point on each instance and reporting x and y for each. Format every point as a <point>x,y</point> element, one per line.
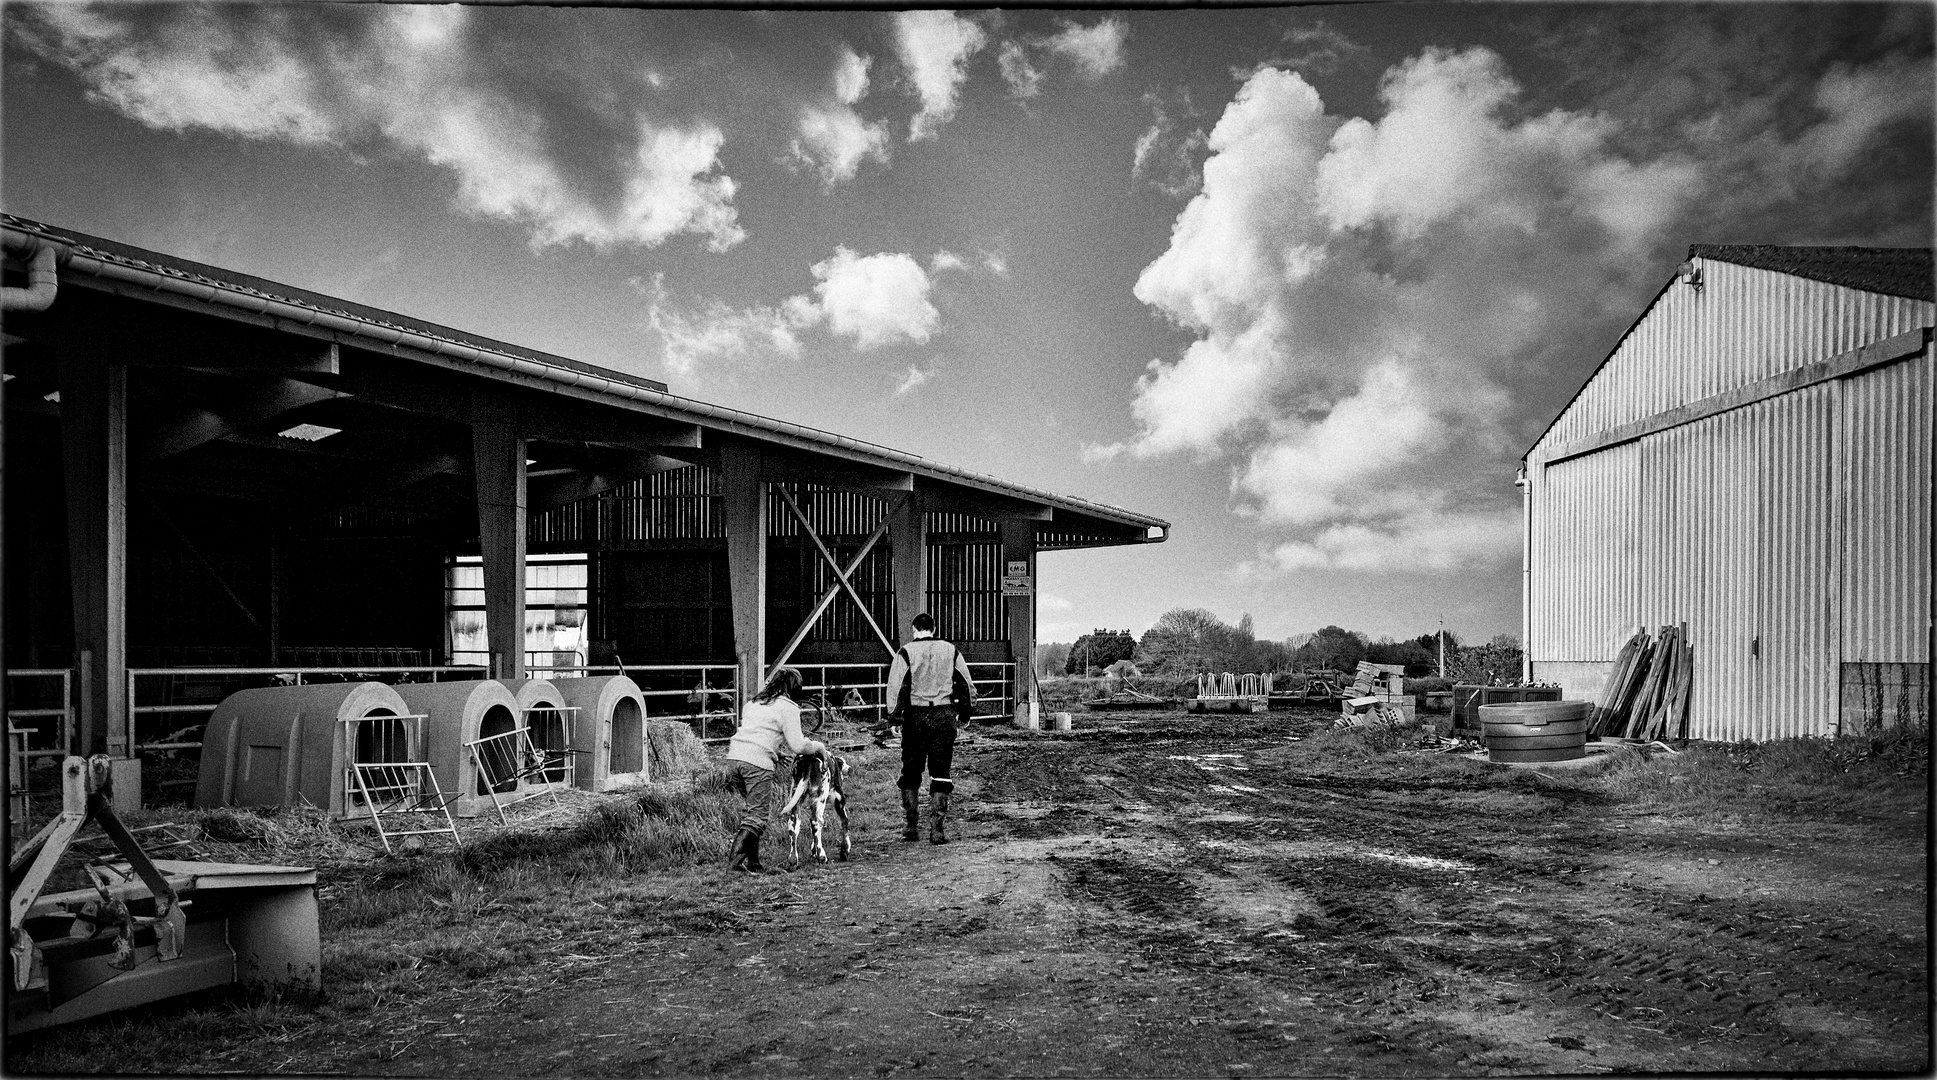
<point>772,717</point>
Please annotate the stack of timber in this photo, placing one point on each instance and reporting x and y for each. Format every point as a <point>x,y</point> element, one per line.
<point>1646,696</point>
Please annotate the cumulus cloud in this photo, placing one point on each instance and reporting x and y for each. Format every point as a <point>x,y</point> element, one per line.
<point>872,300</point>
<point>935,47</point>
<point>1435,541</point>
<point>1367,295</point>
<point>409,80</point>
<point>1096,49</point>
<point>717,332</point>
<point>945,260</point>
<point>831,136</point>
<point>1023,77</point>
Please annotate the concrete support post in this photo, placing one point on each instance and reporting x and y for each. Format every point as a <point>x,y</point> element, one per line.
<point>908,540</point>
<point>500,464</point>
<point>1019,546</point>
<point>746,562</point>
<point>94,456</point>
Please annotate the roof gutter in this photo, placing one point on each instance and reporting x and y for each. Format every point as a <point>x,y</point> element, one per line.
<point>303,315</point>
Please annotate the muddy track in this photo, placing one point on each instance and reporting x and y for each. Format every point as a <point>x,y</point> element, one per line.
<point>1406,907</point>
<point>1186,898</point>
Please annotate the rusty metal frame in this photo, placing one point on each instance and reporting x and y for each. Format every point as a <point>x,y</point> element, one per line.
<point>86,794</point>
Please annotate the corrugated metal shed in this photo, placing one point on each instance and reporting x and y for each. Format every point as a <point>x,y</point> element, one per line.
<point>1754,460</point>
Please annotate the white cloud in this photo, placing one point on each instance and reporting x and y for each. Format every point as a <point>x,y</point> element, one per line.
<point>252,73</point>
<point>193,73</point>
<point>851,77</point>
<point>1434,541</point>
<point>1857,104</point>
<point>1442,152</point>
<point>1097,49</point>
<point>911,379</point>
<point>935,47</point>
<point>1051,602</point>
<point>718,332</point>
<point>830,135</point>
<point>945,260</point>
<point>996,263</point>
<point>1166,153</point>
<point>1023,77</point>
<point>874,299</point>
<point>1362,292</point>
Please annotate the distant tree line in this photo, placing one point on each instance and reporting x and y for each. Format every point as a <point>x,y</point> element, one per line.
<point>1185,641</point>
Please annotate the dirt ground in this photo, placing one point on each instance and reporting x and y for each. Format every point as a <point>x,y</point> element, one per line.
<point>1156,895</point>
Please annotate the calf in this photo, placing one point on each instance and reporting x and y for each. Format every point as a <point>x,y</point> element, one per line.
<point>817,783</point>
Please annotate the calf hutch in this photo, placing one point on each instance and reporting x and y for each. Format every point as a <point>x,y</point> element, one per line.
<point>217,483</point>
<point>1752,462</point>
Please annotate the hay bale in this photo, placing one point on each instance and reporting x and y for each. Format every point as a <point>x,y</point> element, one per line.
<point>673,752</point>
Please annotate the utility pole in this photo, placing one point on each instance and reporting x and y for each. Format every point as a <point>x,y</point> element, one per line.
<point>1442,646</point>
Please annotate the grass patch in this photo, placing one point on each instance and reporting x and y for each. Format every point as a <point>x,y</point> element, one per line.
<point>1816,778</point>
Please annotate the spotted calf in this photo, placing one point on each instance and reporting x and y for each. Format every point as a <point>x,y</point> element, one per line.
<point>817,784</point>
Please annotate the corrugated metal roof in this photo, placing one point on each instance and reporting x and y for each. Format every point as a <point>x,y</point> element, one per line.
<point>1892,271</point>
<point>216,276</point>
<point>1905,272</point>
<point>228,288</point>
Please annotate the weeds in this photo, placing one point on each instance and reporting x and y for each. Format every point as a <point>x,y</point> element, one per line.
<point>1814,777</point>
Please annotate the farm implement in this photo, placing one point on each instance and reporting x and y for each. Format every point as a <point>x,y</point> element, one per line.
<point>147,929</point>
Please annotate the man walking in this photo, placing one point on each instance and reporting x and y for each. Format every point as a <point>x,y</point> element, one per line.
<point>927,683</point>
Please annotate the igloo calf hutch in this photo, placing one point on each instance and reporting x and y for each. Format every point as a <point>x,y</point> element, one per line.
<point>337,746</point>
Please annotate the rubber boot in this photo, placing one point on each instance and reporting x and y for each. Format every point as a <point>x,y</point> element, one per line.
<point>910,815</point>
<point>937,817</point>
<point>745,852</point>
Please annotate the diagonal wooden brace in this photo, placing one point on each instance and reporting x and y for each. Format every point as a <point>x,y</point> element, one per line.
<point>840,583</point>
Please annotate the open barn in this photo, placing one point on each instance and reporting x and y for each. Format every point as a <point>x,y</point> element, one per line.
<point>215,481</point>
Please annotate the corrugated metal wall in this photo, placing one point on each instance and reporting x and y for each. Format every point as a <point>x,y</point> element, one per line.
<point>1791,535</point>
<point>1883,441</point>
<point>1584,555</point>
<point>1744,324</point>
<point>1794,617</point>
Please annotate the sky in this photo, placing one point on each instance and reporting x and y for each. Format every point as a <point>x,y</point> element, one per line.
<point>1304,282</point>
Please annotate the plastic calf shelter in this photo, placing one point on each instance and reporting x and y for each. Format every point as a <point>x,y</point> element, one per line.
<point>459,714</point>
<point>284,745</point>
<point>611,723</point>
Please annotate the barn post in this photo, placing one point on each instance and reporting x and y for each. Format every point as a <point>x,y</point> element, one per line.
<point>94,447</point>
<point>499,451</point>
<point>746,563</point>
<point>908,540</point>
<point>1019,546</point>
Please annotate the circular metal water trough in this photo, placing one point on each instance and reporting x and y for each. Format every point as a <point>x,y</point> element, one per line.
<point>1536,730</point>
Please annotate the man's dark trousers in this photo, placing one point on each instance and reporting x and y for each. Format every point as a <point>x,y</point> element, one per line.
<point>928,741</point>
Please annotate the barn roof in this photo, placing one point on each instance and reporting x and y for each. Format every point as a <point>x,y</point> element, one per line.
<point>1902,272</point>
<point>1905,272</point>
<point>108,266</point>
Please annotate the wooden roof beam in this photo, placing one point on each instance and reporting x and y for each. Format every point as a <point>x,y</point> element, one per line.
<point>605,468</point>
<point>265,400</point>
<point>949,499</point>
